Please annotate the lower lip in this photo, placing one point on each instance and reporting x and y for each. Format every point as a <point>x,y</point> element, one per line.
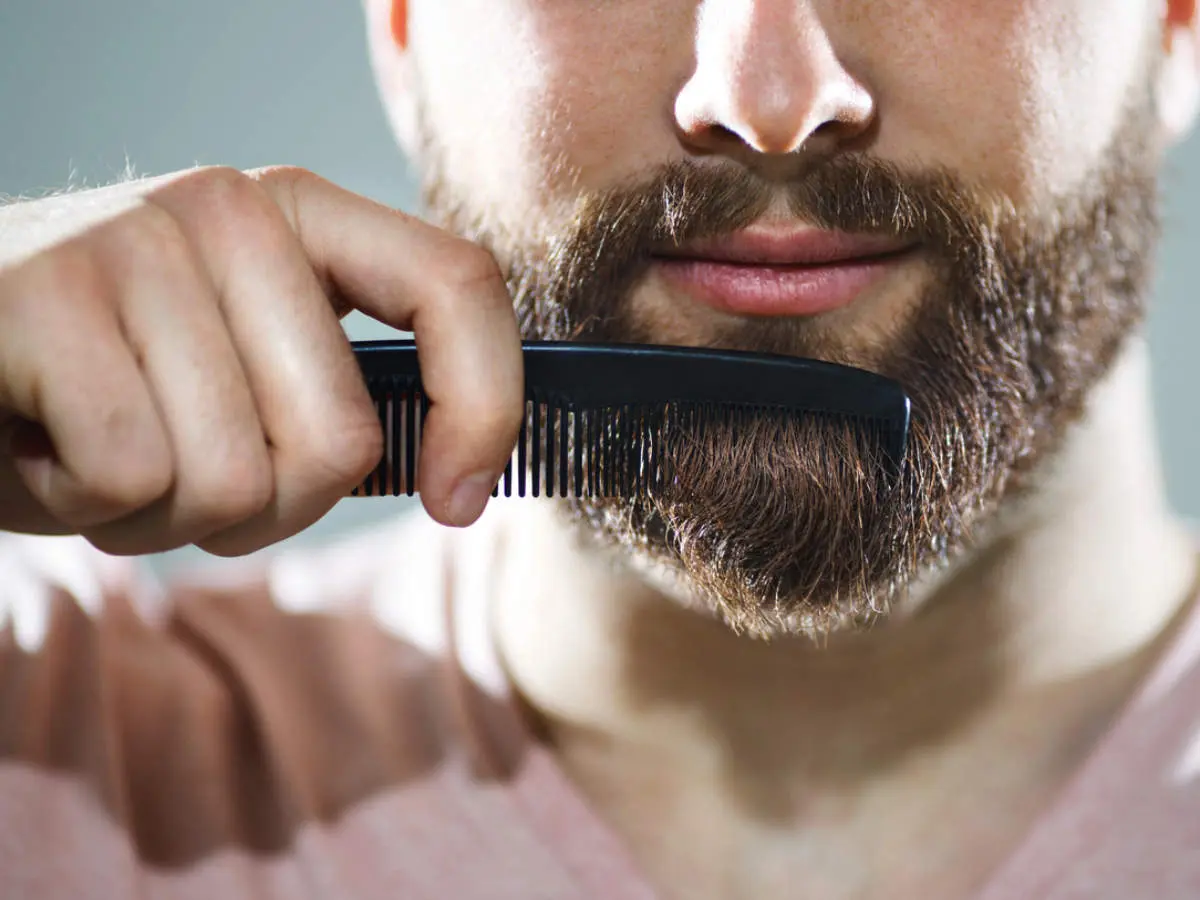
<point>774,290</point>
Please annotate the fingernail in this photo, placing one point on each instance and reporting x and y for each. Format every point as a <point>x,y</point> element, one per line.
<point>470,497</point>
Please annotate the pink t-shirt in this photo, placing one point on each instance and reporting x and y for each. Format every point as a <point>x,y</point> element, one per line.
<point>335,725</point>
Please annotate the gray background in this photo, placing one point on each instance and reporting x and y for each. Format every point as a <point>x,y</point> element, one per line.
<point>89,85</point>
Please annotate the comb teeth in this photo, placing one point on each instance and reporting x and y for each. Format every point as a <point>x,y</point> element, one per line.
<point>401,408</point>
<point>566,451</point>
<point>561,451</point>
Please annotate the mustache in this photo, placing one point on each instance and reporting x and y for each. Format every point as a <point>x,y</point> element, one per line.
<point>687,200</point>
<point>572,285</point>
<point>1028,307</point>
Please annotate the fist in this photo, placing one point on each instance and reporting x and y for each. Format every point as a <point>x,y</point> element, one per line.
<point>173,370</point>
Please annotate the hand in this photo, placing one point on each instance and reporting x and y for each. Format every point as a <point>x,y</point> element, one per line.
<point>173,371</point>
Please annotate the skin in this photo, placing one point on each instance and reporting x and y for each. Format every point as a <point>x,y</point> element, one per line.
<point>141,406</point>
<point>741,769</point>
<point>172,372</point>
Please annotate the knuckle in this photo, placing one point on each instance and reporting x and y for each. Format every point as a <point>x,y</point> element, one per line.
<point>149,240</point>
<point>56,281</point>
<point>490,423</point>
<point>144,470</point>
<point>221,195</point>
<point>126,486</point>
<point>128,490</point>
<point>237,490</point>
<point>495,405</point>
<point>220,183</point>
<point>343,455</point>
<point>285,184</point>
<point>241,219</point>
<point>471,269</point>
<point>286,177</point>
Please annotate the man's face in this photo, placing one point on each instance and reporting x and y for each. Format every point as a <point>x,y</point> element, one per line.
<point>993,164</point>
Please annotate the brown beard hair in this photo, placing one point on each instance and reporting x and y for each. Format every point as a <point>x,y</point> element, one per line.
<point>786,526</point>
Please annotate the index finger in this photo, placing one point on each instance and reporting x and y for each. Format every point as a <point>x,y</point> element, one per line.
<point>452,295</point>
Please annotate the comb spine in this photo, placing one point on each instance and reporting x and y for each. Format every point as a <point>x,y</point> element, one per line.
<point>603,377</point>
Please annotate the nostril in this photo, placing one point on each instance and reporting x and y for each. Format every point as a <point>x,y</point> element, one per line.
<point>830,128</point>
<point>832,131</point>
<point>723,134</point>
<point>711,137</point>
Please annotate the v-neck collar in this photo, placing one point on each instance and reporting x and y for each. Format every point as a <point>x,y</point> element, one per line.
<point>1146,768</point>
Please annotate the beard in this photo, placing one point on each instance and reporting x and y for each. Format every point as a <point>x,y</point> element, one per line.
<point>794,526</point>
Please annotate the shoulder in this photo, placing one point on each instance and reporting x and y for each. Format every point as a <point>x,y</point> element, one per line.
<point>74,618</point>
<point>273,617</point>
<point>1127,820</point>
<point>304,682</point>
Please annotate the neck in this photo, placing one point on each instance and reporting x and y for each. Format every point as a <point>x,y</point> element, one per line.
<point>1013,660</point>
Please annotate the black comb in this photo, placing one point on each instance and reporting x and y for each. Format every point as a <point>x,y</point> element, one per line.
<point>594,411</point>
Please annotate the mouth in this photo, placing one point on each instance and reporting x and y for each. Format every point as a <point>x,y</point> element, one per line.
<point>781,272</point>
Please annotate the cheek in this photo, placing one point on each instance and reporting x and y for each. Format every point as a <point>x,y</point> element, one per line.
<point>539,99</point>
<point>1022,95</point>
<point>613,72</point>
<point>483,85</point>
<point>1096,67</point>
<point>536,100</point>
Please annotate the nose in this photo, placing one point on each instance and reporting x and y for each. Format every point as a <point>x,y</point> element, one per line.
<point>767,78</point>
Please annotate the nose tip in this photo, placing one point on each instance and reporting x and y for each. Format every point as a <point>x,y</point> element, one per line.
<point>772,83</point>
<point>780,119</point>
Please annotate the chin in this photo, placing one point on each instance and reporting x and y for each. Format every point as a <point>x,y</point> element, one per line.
<point>832,603</point>
<point>811,617</point>
<point>999,325</point>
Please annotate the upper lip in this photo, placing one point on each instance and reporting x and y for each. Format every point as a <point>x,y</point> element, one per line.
<point>791,246</point>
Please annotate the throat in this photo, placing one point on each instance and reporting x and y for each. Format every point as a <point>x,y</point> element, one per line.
<point>740,768</point>
<point>720,807</point>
